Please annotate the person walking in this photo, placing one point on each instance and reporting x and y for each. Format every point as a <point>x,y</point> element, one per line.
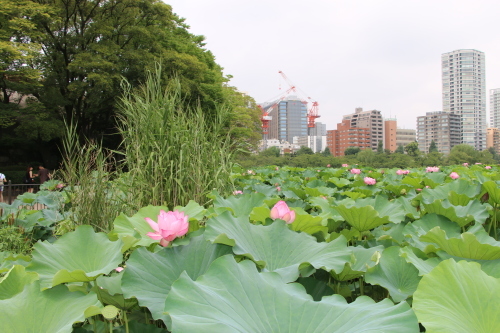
<point>3,181</point>
<point>29,179</point>
<point>43,174</point>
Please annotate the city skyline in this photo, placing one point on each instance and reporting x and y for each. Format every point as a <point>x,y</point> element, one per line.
<point>383,55</point>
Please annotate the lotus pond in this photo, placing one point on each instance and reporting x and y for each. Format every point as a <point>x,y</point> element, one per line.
<point>292,250</point>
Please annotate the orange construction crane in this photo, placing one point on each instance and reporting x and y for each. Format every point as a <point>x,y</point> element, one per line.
<point>312,113</point>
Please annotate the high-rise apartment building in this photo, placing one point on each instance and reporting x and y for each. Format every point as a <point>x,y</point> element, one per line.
<point>495,108</point>
<point>390,134</point>
<point>464,93</point>
<point>405,136</point>
<point>368,119</point>
<point>441,127</point>
<point>289,119</point>
<point>493,139</point>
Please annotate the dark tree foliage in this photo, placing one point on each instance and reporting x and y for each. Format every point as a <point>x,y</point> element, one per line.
<point>352,151</point>
<point>433,147</point>
<point>400,149</point>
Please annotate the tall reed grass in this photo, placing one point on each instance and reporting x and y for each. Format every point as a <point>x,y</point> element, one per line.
<point>88,170</point>
<point>173,153</point>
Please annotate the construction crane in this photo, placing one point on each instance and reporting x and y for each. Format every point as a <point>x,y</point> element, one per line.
<point>312,113</point>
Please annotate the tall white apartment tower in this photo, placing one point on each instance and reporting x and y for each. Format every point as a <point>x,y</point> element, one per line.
<point>495,108</point>
<point>464,93</point>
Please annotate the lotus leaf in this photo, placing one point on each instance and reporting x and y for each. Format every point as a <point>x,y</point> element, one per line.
<point>414,230</point>
<point>233,297</point>
<point>458,297</point>
<point>78,256</point>
<point>53,310</point>
<point>467,245</point>
<point>473,211</point>
<point>149,276</point>
<point>453,191</point>
<point>369,213</point>
<point>394,274</point>
<point>14,281</point>
<point>276,247</point>
<point>424,266</point>
<point>241,205</point>
<point>361,260</point>
<point>493,190</point>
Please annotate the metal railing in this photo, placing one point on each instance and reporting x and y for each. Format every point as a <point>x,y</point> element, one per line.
<point>11,191</point>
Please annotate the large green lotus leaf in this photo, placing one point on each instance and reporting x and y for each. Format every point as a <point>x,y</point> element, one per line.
<point>361,260</point>
<point>327,210</point>
<point>53,310</point>
<point>266,190</point>
<point>14,281</point>
<point>452,191</point>
<point>149,276</point>
<point>490,267</point>
<point>369,213</point>
<point>8,260</point>
<point>339,182</point>
<point>307,223</point>
<point>240,205</point>
<point>434,179</point>
<point>233,297</point>
<point>394,274</point>
<point>320,191</point>
<point>276,247</point>
<point>411,211</point>
<point>414,230</point>
<point>493,190</point>
<point>468,245</point>
<point>424,266</point>
<point>50,199</point>
<point>473,211</point>
<point>78,256</point>
<point>393,232</point>
<point>458,298</point>
<point>414,182</point>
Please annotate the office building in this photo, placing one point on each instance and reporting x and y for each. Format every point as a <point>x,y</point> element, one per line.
<point>289,119</point>
<point>464,93</point>
<point>441,127</point>
<point>495,108</point>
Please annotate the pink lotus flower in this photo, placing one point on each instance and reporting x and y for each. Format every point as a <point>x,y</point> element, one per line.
<point>170,226</point>
<point>454,175</point>
<point>419,189</point>
<point>345,165</point>
<point>119,269</point>
<point>355,171</point>
<point>60,185</point>
<point>432,169</point>
<point>276,168</point>
<point>250,172</point>
<point>328,165</point>
<point>281,211</point>
<point>237,192</point>
<point>278,188</point>
<point>369,181</point>
<point>487,167</point>
<point>465,164</point>
<point>402,172</point>
<point>478,163</point>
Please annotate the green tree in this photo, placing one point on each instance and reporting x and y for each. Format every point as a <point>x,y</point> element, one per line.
<point>433,148</point>
<point>326,152</point>
<point>433,158</point>
<point>90,45</point>
<point>304,151</point>
<point>271,151</point>
<point>366,157</point>
<point>400,149</point>
<point>351,151</point>
<point>380,147</point>
<point>412,149</point>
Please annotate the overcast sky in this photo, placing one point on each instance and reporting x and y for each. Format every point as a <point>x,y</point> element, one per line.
<point>374,54</point>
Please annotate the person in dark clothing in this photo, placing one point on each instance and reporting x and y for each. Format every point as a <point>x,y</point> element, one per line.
<point>43,174</point>
<point>29,178</point>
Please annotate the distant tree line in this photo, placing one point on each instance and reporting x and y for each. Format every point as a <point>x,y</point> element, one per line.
<point>408,157</point>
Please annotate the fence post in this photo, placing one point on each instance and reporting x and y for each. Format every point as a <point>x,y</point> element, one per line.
<point>9,191</point>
